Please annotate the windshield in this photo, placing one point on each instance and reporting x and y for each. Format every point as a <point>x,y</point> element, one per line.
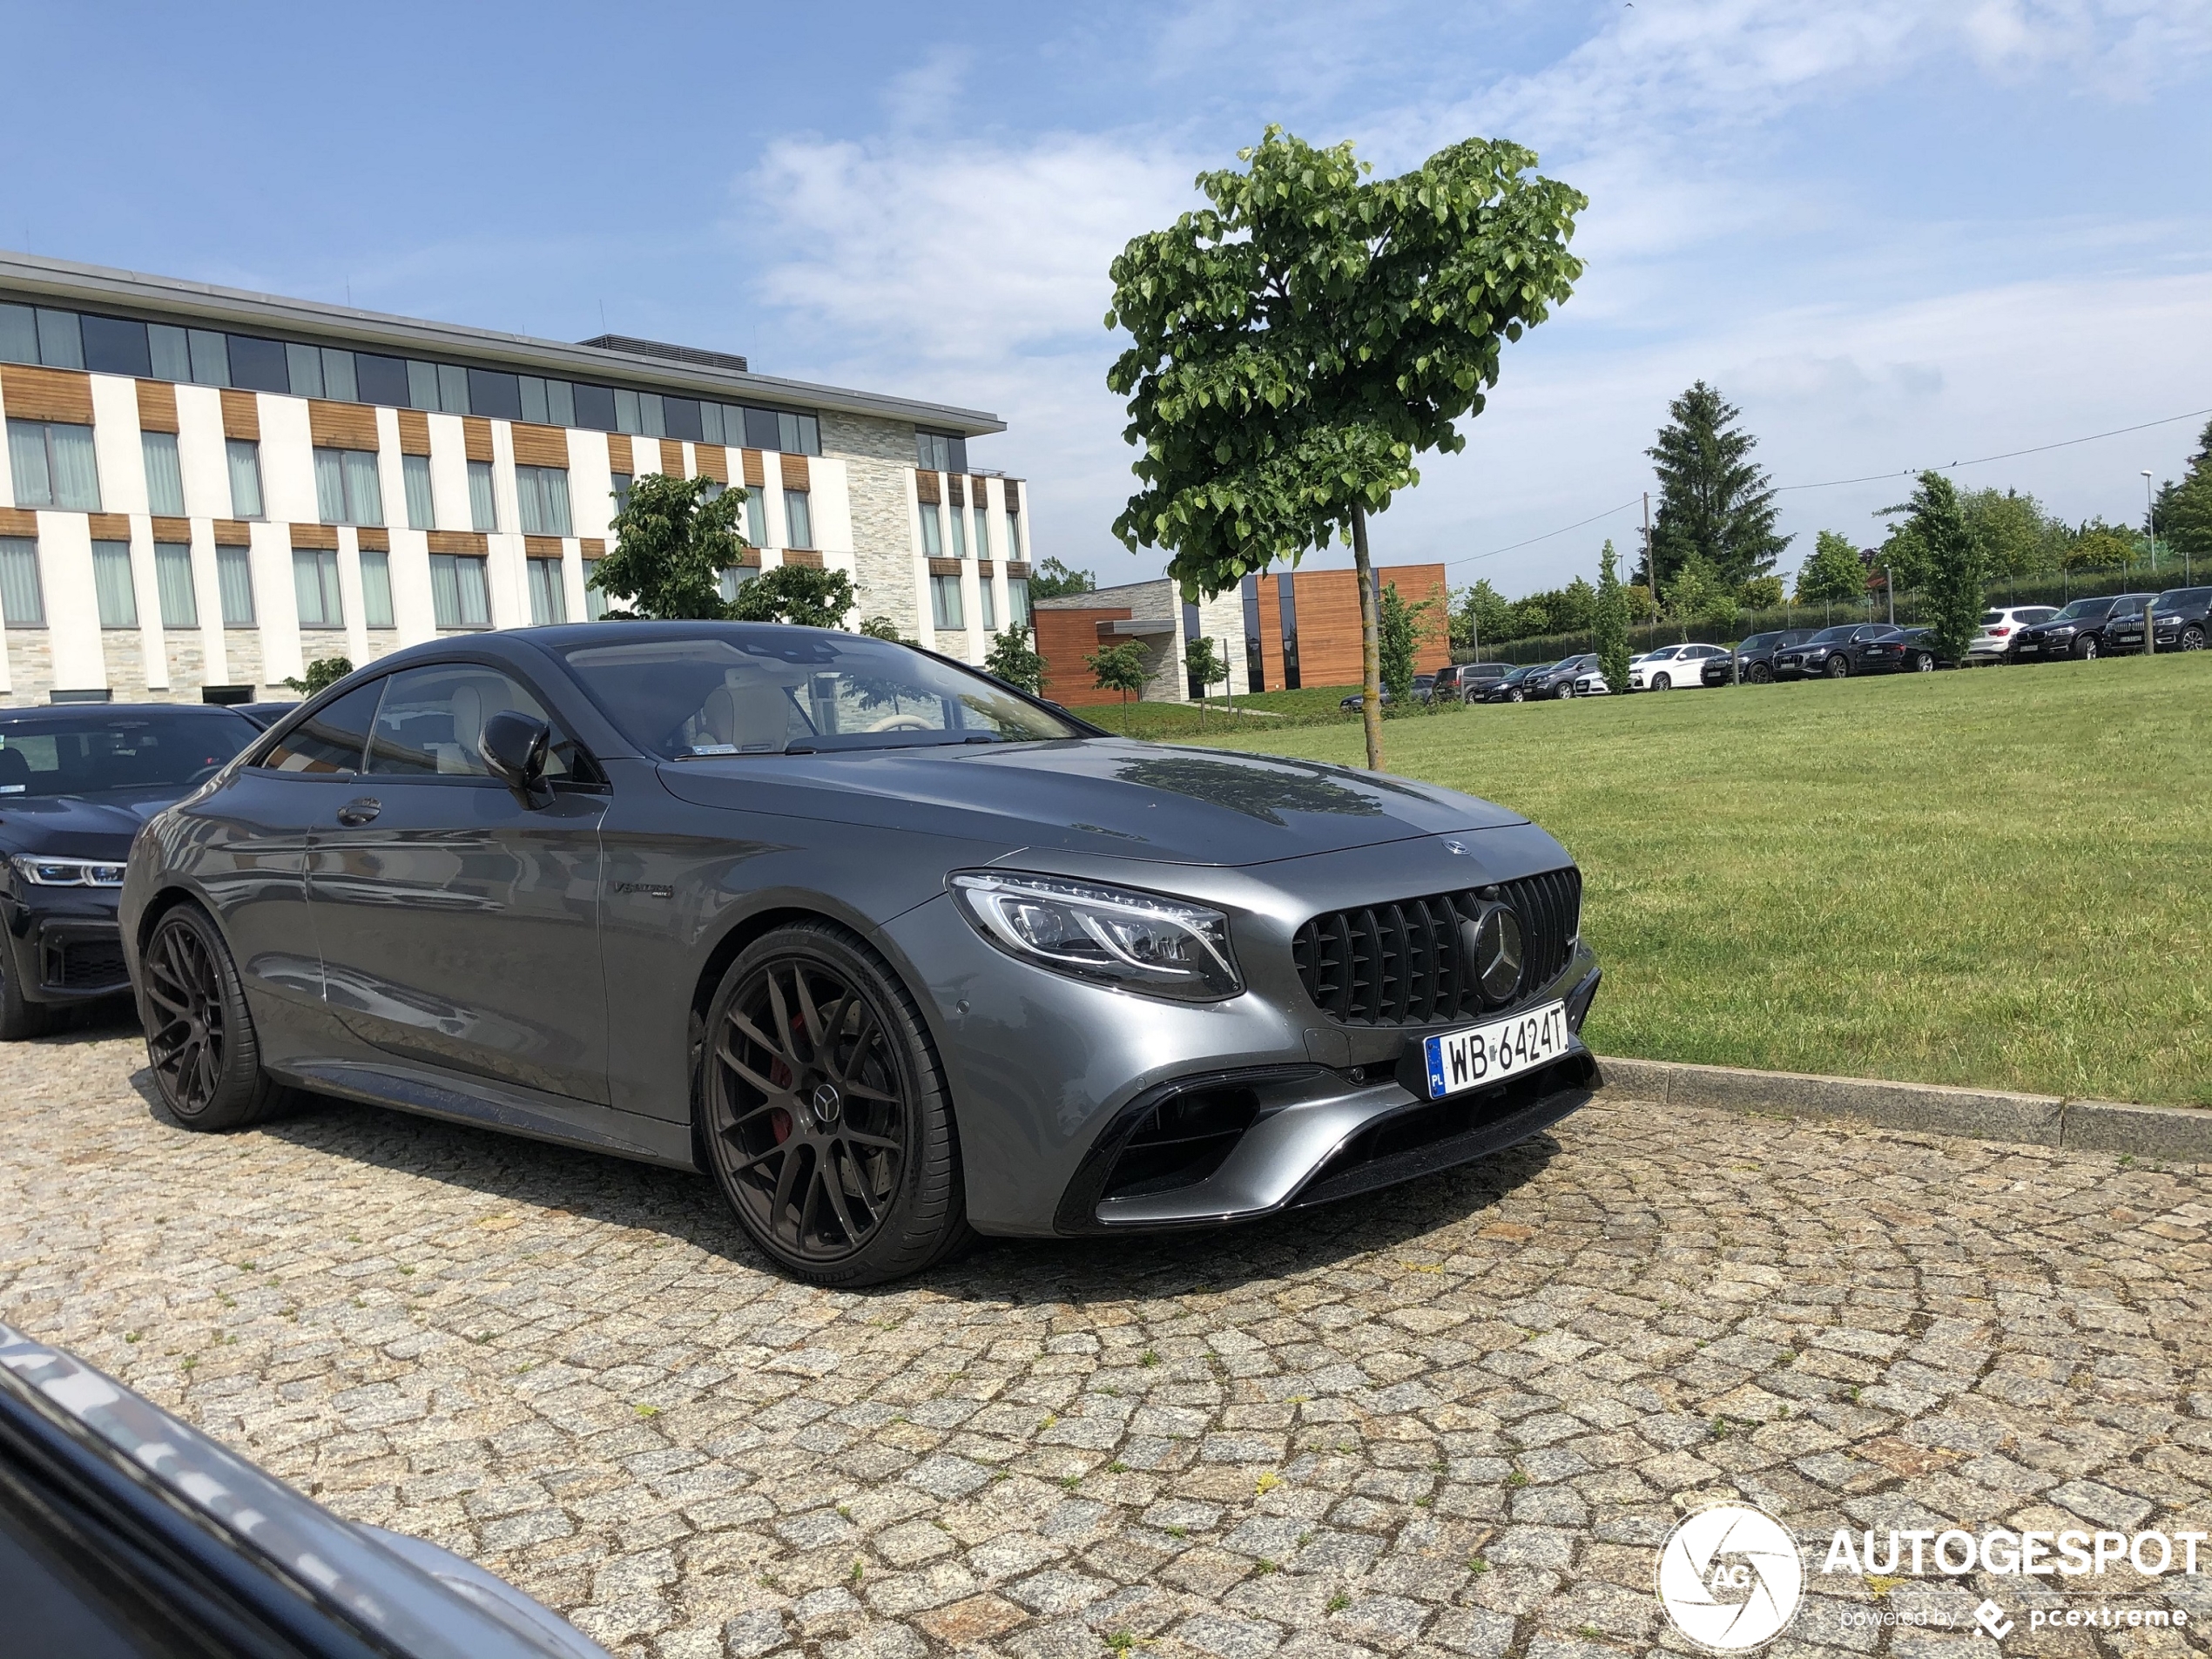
<point>1832,636</point>
<point>1758,642</point>
<point>1533,668</point>
<point>86,754</point>
<point>737,689</point>
<point>2081,609</point>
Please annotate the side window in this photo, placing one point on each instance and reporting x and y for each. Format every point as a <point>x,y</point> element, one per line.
<point>432,722</point>
<point>329,742</point>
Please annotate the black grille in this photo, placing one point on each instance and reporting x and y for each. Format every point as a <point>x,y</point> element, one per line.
<point>87,964</point>
<point>1398,964</point>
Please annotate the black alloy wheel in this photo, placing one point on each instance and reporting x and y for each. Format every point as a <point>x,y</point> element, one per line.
<point>1838,667</point>
<point>2192,640</point>
<point>2086,648</point>
<point>1761,674</point>
<point>199,1037</point>
<point>827,1121</point>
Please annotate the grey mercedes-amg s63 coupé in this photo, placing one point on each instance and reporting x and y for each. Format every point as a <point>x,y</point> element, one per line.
<point>893,950</point>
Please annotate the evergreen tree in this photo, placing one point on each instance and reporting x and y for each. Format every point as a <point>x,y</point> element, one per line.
<point>2185,508</point>
<point>1577,608</point>
<point>1714,500</point>
<point>1611,624</point>
<point>1399,629</point>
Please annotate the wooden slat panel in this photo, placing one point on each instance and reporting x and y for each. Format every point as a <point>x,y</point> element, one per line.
<point>794,472</point>
<point>986,569</point>
<point>1018,568</point>
<point>16,521</point>
<point>619,458</point>
<point>540,547</point>
<point>457,542</point>
<point>232,532</point>
<point>663,455</point>
<point>173,529</point>
<point>157,406</point>
<point>475,437</point>
<point>713,461</point>
<point>415,432</point>
<point>540,446</point>
<point>374,540</point>
<point>341,426</point>
<point>47,394</point>
<point>241,414</point>
<point>756,470</point>
<point>109,527</point>
<point>956,488</point>
<point>749,559</point>
<point>979,490</point>
<point>1013,495</point>
<point>593,548</point>
<point>925,488</point>
<point>315,536</point>
<point>944,567</point>
<point>805,556</point>
<point>1064,638</point>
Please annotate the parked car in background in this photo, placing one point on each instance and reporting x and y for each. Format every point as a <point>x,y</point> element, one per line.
<point>1918,651</point>
<point>77,780</point>
<point>125,1532</point>
<point>263,715</point>
<point>1672,665</point>
<point>2076,631</point>
<point>1592,684</point>
<point>1351,705</point>
<point>1752,661</point>
<point>1513,686</point>
<point>1993,637</point>
<point>2176,612</point>
<point>1836,653</point>
<point>1467,680</point>
<point>1558,680</point>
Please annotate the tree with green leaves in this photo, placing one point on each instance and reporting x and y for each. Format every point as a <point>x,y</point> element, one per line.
<point>1301,339</point>
<point>1400,629</point>
<point>1481,617</point>
<point>1205,666</point>
<point>1714,501</point>
<point>1118,668</point>
<point>2015,536</point>
<point>883,628</point>
<point>2184,510</point>
<point>797,594</point>
<point>1610,626</point>
<point>1951,587</point>
<point>1053,580</point>
<point>1761,593</point>
<point>673,539</point>
<point>1015,660</point>
<point>2098,546</point>
<point>1699,593</point>
<point>323,672</point>
<point>1833,576</point>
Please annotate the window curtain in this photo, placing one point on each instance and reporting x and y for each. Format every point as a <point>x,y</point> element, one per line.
<point>734,576</point>
<point>1013,536</point>
<point>235,579</point>
<point>111,584</point>
<point>76,469</point>
<point>376,589</point>
<point>314,583</point>
<point>595,602</point>
<point>164,477</point>
<point>475,594</point>
<point>245,476</point>
<point>445,590</point>
<point>330,486</point>
<point>421,506</point>
<point>944,602</point>
<point>172,580</point>
<point>364,487</point>
<point>554,482</point>
<point>933,532</point>
<point>22,604</point>
<point>960,532</point>
<point>988,604</point>
<point>548,600</point>
<point>27,464</point>
<point>483,511</point>
<point>531,498</point>
<point>797,519</point>
<point>1018,600</point>
<point>982,532</point>
<point>458,594</point>
<point>756,518</point>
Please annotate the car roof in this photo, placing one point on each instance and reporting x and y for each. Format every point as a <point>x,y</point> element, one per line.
<point>65,713</point>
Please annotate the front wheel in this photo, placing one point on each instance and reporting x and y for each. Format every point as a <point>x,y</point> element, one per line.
<point>200,1043</point>
<point>2086,648</point>
<point>1565,690</point>
<point>828,1126</point>
<point>2192,640</point>
<point>1662,683</point>
<point>1761,674</point>
<point>1516,695</point>
<point>1838,668</point>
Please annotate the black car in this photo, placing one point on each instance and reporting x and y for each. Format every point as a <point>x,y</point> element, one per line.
<point>1512,687</point>
<point>76,783</point>
<point>1919,651</point>
<point>1467,681</point>
<point>264,715</point>
<point>1753,661</point>
<point>1836,653</point>
<point>2183,618</point>
<point>2078,631</point>
<point>1558,680</point>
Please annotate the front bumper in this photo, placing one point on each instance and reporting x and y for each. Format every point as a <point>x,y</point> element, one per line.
<point>66,951</point>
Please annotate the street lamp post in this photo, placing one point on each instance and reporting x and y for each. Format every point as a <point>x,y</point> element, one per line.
<point>1889,588</point>
<point>2150,519</point>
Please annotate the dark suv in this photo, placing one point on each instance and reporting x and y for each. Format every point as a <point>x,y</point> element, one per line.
<point>2180,618</point>
<point>1753,663</point>
<point>2078,631</point>
<point>1835,653</point>
<point>1558,680</point>
<point>1467,681</point>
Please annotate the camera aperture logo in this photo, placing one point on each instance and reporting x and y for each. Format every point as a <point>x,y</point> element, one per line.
<point>1730,1577</point>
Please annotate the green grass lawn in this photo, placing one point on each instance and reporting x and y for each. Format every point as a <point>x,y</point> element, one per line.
<point>1998,877</point>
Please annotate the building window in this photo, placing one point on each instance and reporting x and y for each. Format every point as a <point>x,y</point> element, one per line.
<point>987,602</point>
<point>347,488</point>
<point>1014,536</point>
<point>234,579</point>
<point>798,519</point>
<point>111,584</point>
<point>245,476</point>
<point>164,477</point>
<point>544,493</point>
<point>595,601</point>
<point>941,452</point>
<point>495,393</point>
<point>733,578</point>
<point>376,588</point>
<point>22,603</point>
<point>172,582</point>
<point>1255,670</point>
<point>54,465</point>
<point>944,602</point>
<point>459,595</point>
<point>622,492</point>
<point>483,509</point>
<point>960,532</point>
<point>314,583</point>
<point>548,402</point>
<point>422,505</point>
<point>548,595</point>
<point>796,435</point>
<point>756,516</point>
<point>982,532</point>
<point>116,346</point>
<point>324,371</point>
<point>1017,601</point>
<point>933,532</point>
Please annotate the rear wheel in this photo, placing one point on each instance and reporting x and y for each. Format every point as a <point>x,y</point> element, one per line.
<point>827,1123</point>
<point>1838,668</point>
<point>199,1036</point>
<point>1923,662</point>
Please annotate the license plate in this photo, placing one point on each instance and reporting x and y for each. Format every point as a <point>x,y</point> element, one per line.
<point>1490,1053</point>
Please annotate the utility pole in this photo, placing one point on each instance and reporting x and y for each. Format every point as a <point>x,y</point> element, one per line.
<point>1651,562</point>
<point>2150,520</point>
<point>1888,587</point>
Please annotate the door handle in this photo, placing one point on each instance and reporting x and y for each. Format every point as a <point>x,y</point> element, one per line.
<point>354,814</point>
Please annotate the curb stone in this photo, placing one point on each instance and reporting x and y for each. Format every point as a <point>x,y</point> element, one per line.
<point>2182,1133</point>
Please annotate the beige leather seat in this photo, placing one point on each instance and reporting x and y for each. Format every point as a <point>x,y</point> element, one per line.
<point>464,754</point>
<point>749,715</point>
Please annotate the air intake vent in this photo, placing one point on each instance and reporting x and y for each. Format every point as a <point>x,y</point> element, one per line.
<point>1399,964</point>
<point>661,348</point>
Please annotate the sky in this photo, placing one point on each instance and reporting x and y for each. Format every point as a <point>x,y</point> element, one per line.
<point>1897,234</point>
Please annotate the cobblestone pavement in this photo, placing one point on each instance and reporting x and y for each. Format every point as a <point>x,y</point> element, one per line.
<point>1455,1418</point>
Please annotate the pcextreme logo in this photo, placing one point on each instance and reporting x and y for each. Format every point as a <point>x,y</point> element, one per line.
<point>1729,1577</point>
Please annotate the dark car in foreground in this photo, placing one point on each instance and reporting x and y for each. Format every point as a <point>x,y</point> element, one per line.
<point>1752,661</point>
<point>77,780</point>
<point>893,951</point>
<point>125,1534</point>
<point>2078,631</point>
<point>1512,687</point>
<point>1836,653</point>
<point>2181,620</point>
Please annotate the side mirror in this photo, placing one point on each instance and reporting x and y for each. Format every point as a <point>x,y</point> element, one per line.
<point>513,747</point>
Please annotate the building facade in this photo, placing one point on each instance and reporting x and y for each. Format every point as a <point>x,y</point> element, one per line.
<point>208,489</point>
<point>1302,627</point>
<point>1153,615</point>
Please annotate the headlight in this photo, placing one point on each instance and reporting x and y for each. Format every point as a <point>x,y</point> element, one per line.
<point>1141,941</point>
<point>67,873</point>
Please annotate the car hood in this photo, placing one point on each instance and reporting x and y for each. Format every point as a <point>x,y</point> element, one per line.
<point>88,827</point>
<point>1107,796</point>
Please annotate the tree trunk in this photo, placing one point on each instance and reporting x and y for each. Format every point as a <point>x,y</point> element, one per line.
<point>1370,642</point>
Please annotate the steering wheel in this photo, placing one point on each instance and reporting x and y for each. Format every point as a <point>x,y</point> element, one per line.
<point>205,774</point>
<point>902,723</point>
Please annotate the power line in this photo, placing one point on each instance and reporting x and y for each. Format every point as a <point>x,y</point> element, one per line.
<point>1471,557</point>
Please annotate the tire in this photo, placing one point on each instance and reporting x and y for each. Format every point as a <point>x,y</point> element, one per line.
<point>20,1019</point>
<point>2192,640</point>
<point>1838,668</point>
<point>1563,691</point>
<point>783,1098</point>
<point>200,1044</point>
<point>1662,682</point>
<point>1516,695</point>
<point>1761,674</point>
<point>2085,648</point>
<point>1923,662</point>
